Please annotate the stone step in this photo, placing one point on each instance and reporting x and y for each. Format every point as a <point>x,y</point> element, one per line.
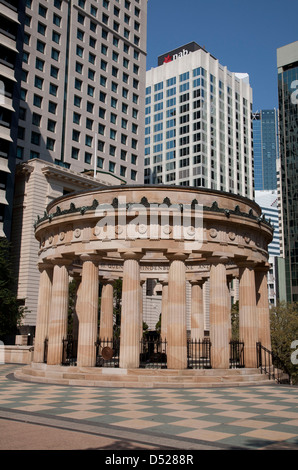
<point>140,378</point>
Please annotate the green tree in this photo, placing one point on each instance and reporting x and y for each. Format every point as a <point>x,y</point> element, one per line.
<point>235,321</point>
<point>11,312</point>
<point>284,331</point>
<point>117,293</point>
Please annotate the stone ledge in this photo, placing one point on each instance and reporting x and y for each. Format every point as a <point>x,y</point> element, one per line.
<point>130,378</point>
<point>17,354</point>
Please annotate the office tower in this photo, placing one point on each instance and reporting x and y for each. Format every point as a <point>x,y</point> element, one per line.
<point>198,128</point>
<point>9,63</point>
<point>84,69</point>
<point>287,64</point>
<point>72,88</point>
<point>265,144</point>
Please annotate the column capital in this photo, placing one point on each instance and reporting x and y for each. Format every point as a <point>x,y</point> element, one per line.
<point>262,268</point>
<point>131,254</point>
<point>247,264</point>
<point>197,282</point>
<point>61,261</point>
<point>218,259</point>
<point>107,280</point>
<point>176,255</point>
<point>44,265</point>
<point>94,257</point>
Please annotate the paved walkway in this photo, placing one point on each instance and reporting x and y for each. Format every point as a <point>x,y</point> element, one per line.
<point>40,416</point>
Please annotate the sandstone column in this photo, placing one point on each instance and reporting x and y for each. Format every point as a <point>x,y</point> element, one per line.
<point>88,316</point>
<point>197,310</point>
<point>164,310</point>
<point>43,310</point>
<point>248,327</point>
<point>58,312</point>
<point>176,313</point>
<point>263,318</point>
<point>106,311</point>
<point>219,312</point>
<point>130,312</point>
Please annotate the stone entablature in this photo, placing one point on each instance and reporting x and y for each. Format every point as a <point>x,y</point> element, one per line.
<point>170,233</point>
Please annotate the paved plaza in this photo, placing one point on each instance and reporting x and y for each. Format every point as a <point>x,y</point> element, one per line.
<point>58,417</point>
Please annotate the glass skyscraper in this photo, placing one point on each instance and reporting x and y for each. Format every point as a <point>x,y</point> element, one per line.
<point>287,63</point>
<point>265,130</point>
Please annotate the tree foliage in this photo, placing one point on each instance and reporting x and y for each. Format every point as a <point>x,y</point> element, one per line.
<point>284,331</point>
<point>11,313</point>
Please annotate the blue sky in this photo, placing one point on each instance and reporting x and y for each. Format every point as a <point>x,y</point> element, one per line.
<point>241,34</point>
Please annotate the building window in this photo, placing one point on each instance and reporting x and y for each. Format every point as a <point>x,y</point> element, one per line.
<point>36,118</point>
<point>38,82</point>
<point>50,143</point>
<point>75,153</point>
<point>35,138</point>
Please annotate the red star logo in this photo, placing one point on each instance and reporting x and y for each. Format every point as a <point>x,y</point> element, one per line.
<point>167,59</point>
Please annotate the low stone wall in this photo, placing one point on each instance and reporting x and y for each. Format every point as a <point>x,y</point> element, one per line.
<point>17,354</point>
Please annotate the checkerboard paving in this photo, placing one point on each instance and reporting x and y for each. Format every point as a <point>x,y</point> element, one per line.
<point>254,417</point>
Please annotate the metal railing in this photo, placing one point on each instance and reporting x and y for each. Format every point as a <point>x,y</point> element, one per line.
<point>236,354</point>
<point>153,353</point>
<point>270,364</point>
<point>69,351</point>
<point>107,352</point>
<point>199,354</point>
<point>45,351</point>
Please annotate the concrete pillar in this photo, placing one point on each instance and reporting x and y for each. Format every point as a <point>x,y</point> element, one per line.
<point>106,310</point>
<point>248,326</point>
<point>164,310</point>
<point>197,310</point>
<point>176,313</point>
<point>43,310</point>
<point>263,317</point>
<point>88,316</point>
<point>219,312</point>
<point>130,312</point>
<point>58,312</point>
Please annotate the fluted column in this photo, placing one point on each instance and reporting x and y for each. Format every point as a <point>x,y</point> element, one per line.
<point>130,312</point>
<point>43,310</point>
<point>164,310</point>
<point>197,310</point>
<point>106,310</point>
<point>58,312</point>
<point>176,314</point>
<point>219,315</point>
<point>248,326</point>
<point>88,312</point>
<point>263,318</point>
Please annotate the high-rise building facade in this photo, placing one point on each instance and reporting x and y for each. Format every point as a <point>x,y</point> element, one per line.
<point>198,128</point>
<point>9,77</point>
<point>265,143</point>
<point>80,70</point>
<point>84,65</point>
<point>287,64</point>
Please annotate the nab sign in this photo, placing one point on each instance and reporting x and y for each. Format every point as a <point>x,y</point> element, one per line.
<point>177,53</point>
